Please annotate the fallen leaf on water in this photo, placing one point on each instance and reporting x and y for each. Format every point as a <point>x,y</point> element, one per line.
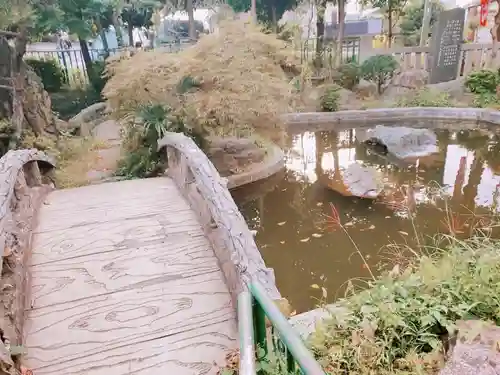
<point>319,204</point>
<point>282,242</point>
<point>387,217</point>
<point>349,224</point>
<point>402,233</point>
<point>282,223</point>
<point>316,235</point>
<point>371,227</point>
<point>315,286</point>
<point>304,239</point>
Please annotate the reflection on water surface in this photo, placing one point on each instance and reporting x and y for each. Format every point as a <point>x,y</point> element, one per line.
<point>309,233</point>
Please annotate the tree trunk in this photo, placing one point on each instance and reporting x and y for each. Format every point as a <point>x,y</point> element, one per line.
<point>191,25</point>
<point>320,33</point>
<point>23,100</point>
<point>118,29</point>
<point>12,86</point>
<point>86,56</point>
<point>274,19</point>
<point>130,30</point>
<point>389,27</point>
<point>340,36</point>
<point>495,31</point>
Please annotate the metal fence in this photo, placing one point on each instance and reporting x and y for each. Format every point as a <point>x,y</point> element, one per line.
<point>72,63</point>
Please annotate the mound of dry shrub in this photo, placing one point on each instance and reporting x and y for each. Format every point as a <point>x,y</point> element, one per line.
<point>230,82</point>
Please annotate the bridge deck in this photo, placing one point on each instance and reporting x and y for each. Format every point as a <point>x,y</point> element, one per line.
<point>125,282</point>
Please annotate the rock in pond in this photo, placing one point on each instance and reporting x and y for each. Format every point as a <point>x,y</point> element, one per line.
<point>402,142</point>
<point>356,180</point>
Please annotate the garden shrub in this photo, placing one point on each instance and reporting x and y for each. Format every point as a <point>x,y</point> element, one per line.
<point>50,72</point>
<point>425,98</point>
<point>243,81</point>
<point>482,81</point>
<point>486,100</point>
<point>329,101</point>
<point>97,76</point>
<point>147,124</point>
<point>379,69</point>
<point>348,75</point>
<point>69,102</point>
<point>6,133</point>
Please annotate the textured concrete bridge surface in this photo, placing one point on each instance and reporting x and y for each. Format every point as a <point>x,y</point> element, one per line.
<point>124,281</point>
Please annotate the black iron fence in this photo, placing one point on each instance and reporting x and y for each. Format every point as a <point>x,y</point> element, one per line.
<point>72,62</point>
<point>350,50</point>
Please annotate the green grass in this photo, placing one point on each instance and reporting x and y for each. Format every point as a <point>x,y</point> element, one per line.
<point>401,323</point>
<point>425,98</point>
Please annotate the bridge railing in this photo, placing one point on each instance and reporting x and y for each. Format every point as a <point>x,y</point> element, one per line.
<point>249,281</point>
<point>280,347</point>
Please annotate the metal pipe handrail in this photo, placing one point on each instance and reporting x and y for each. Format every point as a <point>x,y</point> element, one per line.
<point>245,330</point>
<point>287,333</point>
<point>254,305</point>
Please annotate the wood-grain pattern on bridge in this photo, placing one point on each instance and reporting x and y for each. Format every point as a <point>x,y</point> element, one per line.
<point>125,282</point>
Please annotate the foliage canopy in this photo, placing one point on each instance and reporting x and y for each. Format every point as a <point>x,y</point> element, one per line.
<point>379,69</point>
<point>411,22</point>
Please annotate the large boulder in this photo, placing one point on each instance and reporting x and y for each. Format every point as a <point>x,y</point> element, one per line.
<point>232,155</point>
<point>402,142</point>
<point>37,106</point>
<point>356,180</point>
<point>85,121</point>
<point>348,100</point>
<point>412,79</point>
<point>456,90</point>
<point>365,88</point>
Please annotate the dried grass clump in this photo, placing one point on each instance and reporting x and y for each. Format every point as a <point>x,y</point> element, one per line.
<point>235,80</point>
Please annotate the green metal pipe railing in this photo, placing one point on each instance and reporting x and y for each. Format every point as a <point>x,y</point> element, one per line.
<point>245,329</point>
<point>285,343</point>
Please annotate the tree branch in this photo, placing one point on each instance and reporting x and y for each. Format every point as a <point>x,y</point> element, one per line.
<point>9,33</point>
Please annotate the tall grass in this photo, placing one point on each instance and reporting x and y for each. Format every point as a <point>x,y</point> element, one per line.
<point>402,322</point>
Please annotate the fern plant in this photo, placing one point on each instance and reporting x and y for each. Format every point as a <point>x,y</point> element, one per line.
<point>148,124</point>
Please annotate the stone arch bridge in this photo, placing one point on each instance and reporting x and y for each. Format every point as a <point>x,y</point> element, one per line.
<point>133,277</point>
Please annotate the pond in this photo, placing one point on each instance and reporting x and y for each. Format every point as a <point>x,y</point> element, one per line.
<point>313,236</point>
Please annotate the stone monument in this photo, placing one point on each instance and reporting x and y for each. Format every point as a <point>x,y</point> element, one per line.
<point>446,45</point>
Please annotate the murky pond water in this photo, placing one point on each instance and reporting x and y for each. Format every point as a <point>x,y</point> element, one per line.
<point>310,234</point>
